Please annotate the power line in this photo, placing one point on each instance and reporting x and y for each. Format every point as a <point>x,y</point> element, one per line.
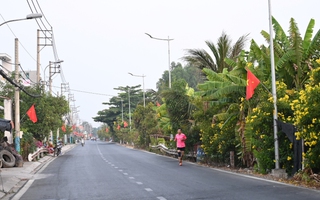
<point>25,74</point>
<point>43,14</point>
<point>82,91</point>
<point>18,40</point>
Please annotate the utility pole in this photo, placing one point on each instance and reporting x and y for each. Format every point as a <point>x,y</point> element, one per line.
<point>168,40</point>
<point>122,109</point>
<point>17,96</point>
<point>129,109</point>
<point>38,56</point>
<point>50,80</point>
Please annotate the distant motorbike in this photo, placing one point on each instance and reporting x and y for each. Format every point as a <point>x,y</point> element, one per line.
<point>57,149</point>
<point>82,142</point>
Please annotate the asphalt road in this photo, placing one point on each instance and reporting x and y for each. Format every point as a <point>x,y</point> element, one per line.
<point>102,170</point>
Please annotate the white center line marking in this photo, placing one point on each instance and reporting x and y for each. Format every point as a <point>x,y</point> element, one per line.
<point>161,198</point>
<point>125,174</point>
<point>131,177</point>
<point>120,170</point>
<point>148,189</point>
<point>116,167</point>
<point>139,183</point>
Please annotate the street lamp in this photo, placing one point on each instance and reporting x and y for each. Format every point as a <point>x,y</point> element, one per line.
<point>274,92</point>
<point>122,110</point>
<point>168,40</point>
<point>129,108</point>
<point>144,93</point>
<point>30,16</point>
<point>17,92</point>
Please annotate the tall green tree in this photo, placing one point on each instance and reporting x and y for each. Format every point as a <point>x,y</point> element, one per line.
<point>215,61</point>
<point>49,117</point>
<point>177,104</point>
<point>118,106</point>
<point>145,122</point>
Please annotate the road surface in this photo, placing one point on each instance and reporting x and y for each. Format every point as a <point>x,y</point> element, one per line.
<point>101,170</point>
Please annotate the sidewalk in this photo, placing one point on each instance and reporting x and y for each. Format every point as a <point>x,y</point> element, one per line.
<point>12,179</point>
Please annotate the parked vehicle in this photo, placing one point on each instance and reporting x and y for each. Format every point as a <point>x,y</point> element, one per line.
<point>57,149</point>
<point>82,142</point>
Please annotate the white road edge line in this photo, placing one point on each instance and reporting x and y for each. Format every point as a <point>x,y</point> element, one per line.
<point>22,190</point>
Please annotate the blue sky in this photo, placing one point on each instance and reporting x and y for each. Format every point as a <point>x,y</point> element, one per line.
<point>101,41</point>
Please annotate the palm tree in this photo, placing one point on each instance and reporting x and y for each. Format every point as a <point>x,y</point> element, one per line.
<point>224,49</point>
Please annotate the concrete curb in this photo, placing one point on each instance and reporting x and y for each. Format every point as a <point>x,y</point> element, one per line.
<point>13,179</point>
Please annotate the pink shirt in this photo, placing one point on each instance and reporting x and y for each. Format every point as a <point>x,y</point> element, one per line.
<point>180,140</point>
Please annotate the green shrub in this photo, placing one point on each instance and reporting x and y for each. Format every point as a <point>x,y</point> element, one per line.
<point>27,145</point>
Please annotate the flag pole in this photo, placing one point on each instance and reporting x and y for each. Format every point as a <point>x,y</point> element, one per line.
<point>274,91</point>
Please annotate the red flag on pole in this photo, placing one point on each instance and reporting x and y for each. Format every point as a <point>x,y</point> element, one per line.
<point>32,114</point>
<point>252,83</point>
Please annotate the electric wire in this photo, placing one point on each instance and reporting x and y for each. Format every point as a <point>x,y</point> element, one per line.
<point>82,91</point>
<point>5,76</point>
<point>41,29</point>
<point>35,7</point>
<point>25,74</point>
<point>18,40</point>
<point>43,13</point>
<point>52,40</point>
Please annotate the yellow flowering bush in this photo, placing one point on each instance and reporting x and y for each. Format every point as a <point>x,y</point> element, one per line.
<point>259,126</point>
<point>306,110</point>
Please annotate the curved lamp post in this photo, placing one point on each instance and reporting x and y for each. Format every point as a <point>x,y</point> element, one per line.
<point>17,93</point>
<point>30,16</point>
<point>168,40</point>
<point>144,93</point>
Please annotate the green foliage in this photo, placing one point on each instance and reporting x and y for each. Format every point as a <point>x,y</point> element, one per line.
<point>223,49</point>
<point>27,144</point>
<point>119,109</point>
<point>177,104</point>
<point>49,117</point>
<point>260,134</point>
<point>145,121</point>
<point>49,110</point>
<point>306,118</point>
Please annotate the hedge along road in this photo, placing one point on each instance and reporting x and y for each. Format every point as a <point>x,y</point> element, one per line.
<point>101,170</point>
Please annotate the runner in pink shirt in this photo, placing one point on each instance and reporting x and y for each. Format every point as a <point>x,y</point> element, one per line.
<point>181,145</point>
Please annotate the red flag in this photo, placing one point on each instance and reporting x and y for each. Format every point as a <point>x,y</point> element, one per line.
<point>63,128</point>
<point>107,130</point>
<point>32,114</point>
<point>158,104</point>
<point>252,83</point>
<point>125,124</point>
<point>118,127</point>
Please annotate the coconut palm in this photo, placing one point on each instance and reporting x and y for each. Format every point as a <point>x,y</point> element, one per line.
<point>223,49</point>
